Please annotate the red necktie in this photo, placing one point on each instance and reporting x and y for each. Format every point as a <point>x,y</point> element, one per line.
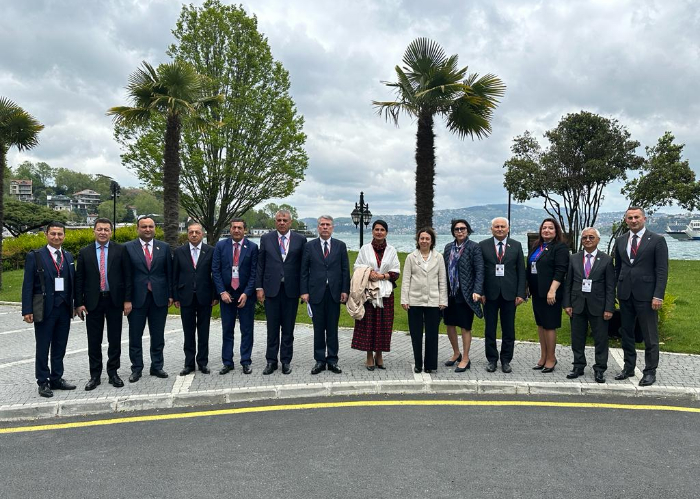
<point>587,266</point>
<point>325,249</point>
<point>236,253</point>
<point>148,263</point>
<point>103,275</point>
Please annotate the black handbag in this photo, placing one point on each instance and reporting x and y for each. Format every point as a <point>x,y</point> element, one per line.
<point>38,300</point>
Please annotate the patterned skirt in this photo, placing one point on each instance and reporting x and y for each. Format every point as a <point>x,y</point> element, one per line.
<point>373,332</point>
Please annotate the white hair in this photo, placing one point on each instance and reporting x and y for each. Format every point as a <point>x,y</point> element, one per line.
<point>500,218</point>
<point>597,233</point>
<point>324,217</point>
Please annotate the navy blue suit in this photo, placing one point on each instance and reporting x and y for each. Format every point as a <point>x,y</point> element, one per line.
<point>149,306</point>
<point>280,280</point>
<point>324,279</point>
<point>52,333</point>
<point>222,262</point>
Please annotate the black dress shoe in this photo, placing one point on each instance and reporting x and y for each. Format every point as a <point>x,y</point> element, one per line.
<point>379,366</point>
<point>624,375</point>
<point>334,368</point>
<point>159,373</point>
<point>116,381</point>
<point>247,369</point>
<point>204,370</point>
<point>286,369</point>
<point>135,376</point>
<point>270,368</point>
<point>45,390</point>
<point>61,384</point>
<point>187,370</point>
<point>648,380</point>
<point>505,367</point>
<point>549,369</point>
<point>450,363</point>
<point>320,366</point>
<point>599,377</point>
<point>92,384</point>
<point>226,369</point>
<point>462,369</point>
<point>491,368</point>
<point>417,370</point>
<point>428,371</point>
<point>538,367</point>
<point>574,373</point>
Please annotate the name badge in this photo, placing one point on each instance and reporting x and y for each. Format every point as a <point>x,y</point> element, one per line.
<point>586,285</point>
<point>234,271</point>
<point>500,270</point>
<point>58,284</point>
<point>534,268</point>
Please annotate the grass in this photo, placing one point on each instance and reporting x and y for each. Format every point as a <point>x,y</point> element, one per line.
<point>677,334</point>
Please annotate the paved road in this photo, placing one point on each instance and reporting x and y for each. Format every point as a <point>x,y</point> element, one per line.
<point>368,451</point>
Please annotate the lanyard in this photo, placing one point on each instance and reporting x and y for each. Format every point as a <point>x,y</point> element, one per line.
<point>53,259</point>
<point>590,262</point>
<point>503,247</point>
<point>286,243</point>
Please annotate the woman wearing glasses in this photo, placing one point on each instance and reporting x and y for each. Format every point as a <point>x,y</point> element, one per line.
<point>465,284</point>
<point>547,264</point>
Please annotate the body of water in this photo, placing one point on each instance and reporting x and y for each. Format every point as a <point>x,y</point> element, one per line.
<point>677,250</point>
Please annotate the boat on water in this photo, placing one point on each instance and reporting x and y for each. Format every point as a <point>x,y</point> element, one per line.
<point>693,230</point>
<point>677,230</point>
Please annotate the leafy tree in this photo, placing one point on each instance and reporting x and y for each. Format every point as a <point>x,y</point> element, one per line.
<point>68,182</point>
<point>431,84</point>
<point>586,153</point>
<point>21,217</point>
<point>173,93</point>
<point>41,175</point>
<point>147,204</point>
<point>17,129</point>
<point>257,152</point>
<point>106,209</point>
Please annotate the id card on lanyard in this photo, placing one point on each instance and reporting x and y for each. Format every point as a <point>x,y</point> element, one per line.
<point>58,283</point>
<point>500,266</point>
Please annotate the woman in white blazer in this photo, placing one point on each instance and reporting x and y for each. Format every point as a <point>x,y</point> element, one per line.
<point>424,296</point>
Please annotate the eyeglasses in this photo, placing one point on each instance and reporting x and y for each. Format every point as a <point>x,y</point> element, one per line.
<point>460,229</point>
<point>586,238</point>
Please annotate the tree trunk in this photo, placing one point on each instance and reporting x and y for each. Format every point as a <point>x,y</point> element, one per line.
<point>171,181</point>
<point>3,155</point>
<point>425,171</point>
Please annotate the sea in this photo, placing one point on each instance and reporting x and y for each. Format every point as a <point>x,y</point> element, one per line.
<point>677,250</point>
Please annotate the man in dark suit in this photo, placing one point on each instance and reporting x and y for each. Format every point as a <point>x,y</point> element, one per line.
<point>57,269</point>
<point>325,284</point>
<point>234,266</point>
<point>641,268</point>
<point>151,265</point>
<point>103,292</point>
<point>193,292</point>
<point>589,298</point>
<point>504,290</point>
<point>277,283</point>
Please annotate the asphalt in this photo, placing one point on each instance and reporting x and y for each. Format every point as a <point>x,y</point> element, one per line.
<point>678,376</point>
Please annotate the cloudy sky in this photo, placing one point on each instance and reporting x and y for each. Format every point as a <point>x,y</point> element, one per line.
<point>68,61</point>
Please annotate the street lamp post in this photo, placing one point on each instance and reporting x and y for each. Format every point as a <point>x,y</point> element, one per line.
<point>361,215</point>
<point>116,190</point>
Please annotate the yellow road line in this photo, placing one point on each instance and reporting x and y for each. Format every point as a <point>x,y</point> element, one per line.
<point>332,405</point>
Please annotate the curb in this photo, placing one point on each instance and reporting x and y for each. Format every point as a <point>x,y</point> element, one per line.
<point>117,405</point>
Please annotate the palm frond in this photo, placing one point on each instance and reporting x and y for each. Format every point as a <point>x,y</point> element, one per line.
<point>18,128</point>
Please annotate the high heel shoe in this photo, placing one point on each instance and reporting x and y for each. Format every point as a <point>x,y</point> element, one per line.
<point>538,367</point>
<point>462,369</point>
<point>549,369</point>
<point>379,366</point>
<point>450,363</point>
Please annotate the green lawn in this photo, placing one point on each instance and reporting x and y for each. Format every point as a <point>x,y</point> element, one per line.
<point>678,333</point>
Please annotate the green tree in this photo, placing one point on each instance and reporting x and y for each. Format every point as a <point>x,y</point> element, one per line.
<point>106,210</point>
<point>173,93</point>
<point>17,129</point>
<point>586,153</point>
<point>257,152</point>
<point>21,217</point>
<point>68,182</point>
<point>41,175</point>
<point>147,204</point>
<point>431,84</point>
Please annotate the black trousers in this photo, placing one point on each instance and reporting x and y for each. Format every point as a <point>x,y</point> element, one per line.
<point>95,323</point>
<point>579,331</point>
<point>281,314</point>
<point>195,322</point>
<point>648,322</point>
<point>51,336</point>
<point>155,316</point>
<point>428,318</point>
<point>325,318</point>
<point>507,310</point>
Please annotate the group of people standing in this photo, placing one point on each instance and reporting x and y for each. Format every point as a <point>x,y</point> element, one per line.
<point>489,280</point>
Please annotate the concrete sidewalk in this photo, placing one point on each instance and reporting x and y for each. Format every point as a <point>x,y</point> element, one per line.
<point>678,376</point>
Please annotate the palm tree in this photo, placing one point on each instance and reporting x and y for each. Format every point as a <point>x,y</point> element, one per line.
<point>429,84</point>
<point>175,91</point>
<point>19,129</point>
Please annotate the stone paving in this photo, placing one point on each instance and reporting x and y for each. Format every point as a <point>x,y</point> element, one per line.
<point>677,377</point>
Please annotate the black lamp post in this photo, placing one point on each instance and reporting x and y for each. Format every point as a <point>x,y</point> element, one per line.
<point>115,189</point>
<point>508,212</point>
<point>361,215</point>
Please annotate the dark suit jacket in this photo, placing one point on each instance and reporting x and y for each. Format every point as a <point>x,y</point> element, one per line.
<point>512,284</point>
<point>31,284</point>
<point>247,266</point>
<point>551,266</point>
<point>87,277</point>
<point>160,274</point>
<point>187,279</point>
<point>271,268</point>
<point>317,270</point>
<point>602,296</point>
<point>645,278</point>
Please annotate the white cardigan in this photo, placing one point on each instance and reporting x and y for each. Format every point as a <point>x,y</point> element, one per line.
<point>390,263</point>
<point>424,285</point>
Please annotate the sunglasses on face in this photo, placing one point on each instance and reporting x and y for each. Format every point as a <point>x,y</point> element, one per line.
<point>460,229</point>
<point>587,238</point>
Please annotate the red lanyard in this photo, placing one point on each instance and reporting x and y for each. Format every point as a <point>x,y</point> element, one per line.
<point>503,247</point>
<point>58,269</point>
